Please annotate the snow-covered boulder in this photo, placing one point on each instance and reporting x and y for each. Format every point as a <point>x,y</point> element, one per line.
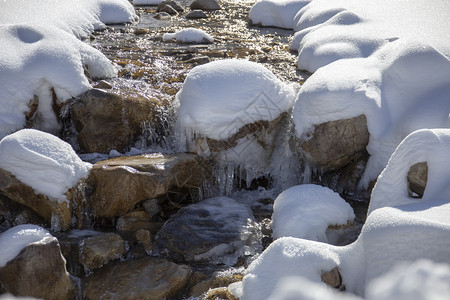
<point>116,11</point>
<point>38,169</point>
<point>232,109</point>
<point>31,264</point>
<point>306,211</point>
<point>189,35</point>
<point>276,13</point>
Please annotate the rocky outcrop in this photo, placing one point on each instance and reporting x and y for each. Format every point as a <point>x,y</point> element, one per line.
<point>148,278</point>
<point>334,144</point>
<point>417,179</point>
<point>120,183</point>
<point>205,5</point>
<point>216,230</point>
<point>107,121</point>
<point>38,271</point>
<point>53,212</point>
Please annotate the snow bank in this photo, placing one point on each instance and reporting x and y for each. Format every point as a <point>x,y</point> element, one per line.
<point>277,13</point>
<point>420,280</point>
<point>189,35</point>
<point>426,145</point>
<point>306,211</point>
<point>218,98</point>
<point>15,239</point>
<point>37,60</point>
<point>42,161</point>
<point>382,88</point>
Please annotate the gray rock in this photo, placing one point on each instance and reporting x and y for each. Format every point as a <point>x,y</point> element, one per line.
<point>162,16</point>
<point>167,9</point>
<point>214,230</point>
<point>205,5</point>
<point>171,3</point>
<point>332,278</point>
<point>103,84</point>
<point>417,179</point>
<point>196,14</point>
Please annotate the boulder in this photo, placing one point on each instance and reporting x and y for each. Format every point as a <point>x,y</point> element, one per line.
<point>205,5</point>
<point>202,282</point>
<point>196,14</point>
<point>334,144</point>
<point>171,3</point>
<point>134,221</point>
<point>214,230</point>
<point>13,214</point>
<point>417,179</point>
<point>107,121</point>
<point>167,9</point>
<point>38,271</point>
<point>148,278</point>
<point>52,211</point>
<point>120,183</point>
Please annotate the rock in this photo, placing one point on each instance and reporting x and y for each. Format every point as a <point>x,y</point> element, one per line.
<point>88,250</point>
<point>134,221</point>
<point>58,214</point>
<point>167,9</point>
<point>106,121</point>
<point>417,179</point>
<point>198,60</point>
<point>332,278</point>
<point>38,271</point>
<point>205,5</point>
<point>152,207</point>
<point>120,183</point>
<point>13,214</point>
<point>171,3</point>
<point>334,144</point>
<point>219,223</point>
<point>162,16</point>
<point>196,14</point>
<point>103,84</point>
<point>204,282</point>
<point>148,278</point>
<point>141,31</point>
<point>144,238</point>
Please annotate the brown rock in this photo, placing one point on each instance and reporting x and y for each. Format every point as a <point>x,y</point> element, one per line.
<point>120,183</point>
<point>13,214</point>
<point>417,179</point>
<point>107,121</point>
<point>333,144</point>
<point>38,271</point>
<point>205,5</point>
<point>332,278</point>
<point>206,282</point>
<point>148,278</point>
<point>55,213</point>
<point>134,221</point>
<point>144,238</point>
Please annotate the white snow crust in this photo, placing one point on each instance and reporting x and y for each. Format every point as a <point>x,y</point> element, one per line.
<point>42,161</point>
<point>276,13</point>
<point>306,211</point>
<point>15,239</point>
<point>220,97</point>
<point>189,35</point>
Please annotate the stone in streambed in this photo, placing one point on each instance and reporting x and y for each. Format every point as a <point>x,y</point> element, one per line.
<point>196,14</point>
<point>205,5</point>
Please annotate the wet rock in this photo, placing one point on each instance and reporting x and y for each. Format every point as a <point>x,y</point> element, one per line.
<point>144,238</point>
<point>13,214</point>
<point>214,230</point>
<point>103,84</point>
<point>332,278</point>
<point>205,5</point>
<point>196,14</point>
<point>334,144</point>
<point>417,179</point>
<point>177,7</point>
<point>167,9</point>
<point>198,60</point>
<point>52,212</point>
<point>148,278</point>
<point>120,183</point>
<point>152,207</point>
<point>162,16</point>
<point>205,282</point>
<point>134,221</point>
<point>38,271</point>
<point>106,121</point>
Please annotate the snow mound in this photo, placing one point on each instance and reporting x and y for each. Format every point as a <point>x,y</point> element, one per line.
<point>218,98</point>
<point>147,2</point>
<point>15,239</point>
<point>277,13</point>
<point>37,61</point>
<point>116,11</point>
<point>42,161</point>
<point>306,211</point>
<point>380,87</point>
<point>426,145</point>
<point>189,35</point>
<point>420,280</point>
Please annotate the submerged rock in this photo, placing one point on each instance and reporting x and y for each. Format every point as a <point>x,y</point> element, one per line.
<point>120,183</point>
<point>149,278</point>
<point>217,230</point>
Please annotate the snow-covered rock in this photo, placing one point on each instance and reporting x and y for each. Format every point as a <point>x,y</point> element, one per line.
<point>306,211</point>
<point>189,35</point>
<point>147,2</point>
<point>277,13</point>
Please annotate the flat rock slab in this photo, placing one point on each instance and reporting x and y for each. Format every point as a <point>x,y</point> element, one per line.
<point>148,278</point>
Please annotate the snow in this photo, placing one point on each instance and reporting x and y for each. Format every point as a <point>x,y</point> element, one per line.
<point>43,162</point>
<point>420,280</point>
<point>276,13</point>
<point>306,211</point>
<point>189,35</point>
<point>15,239</point>
<point>147,2</point>
<point>116,11</point>
<point>220,97</point>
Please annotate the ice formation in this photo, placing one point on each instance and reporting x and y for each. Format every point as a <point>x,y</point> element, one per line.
<point>44,162</point>
<point>189,35</point>
<point>15,239</point>
<point>305,211</point>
